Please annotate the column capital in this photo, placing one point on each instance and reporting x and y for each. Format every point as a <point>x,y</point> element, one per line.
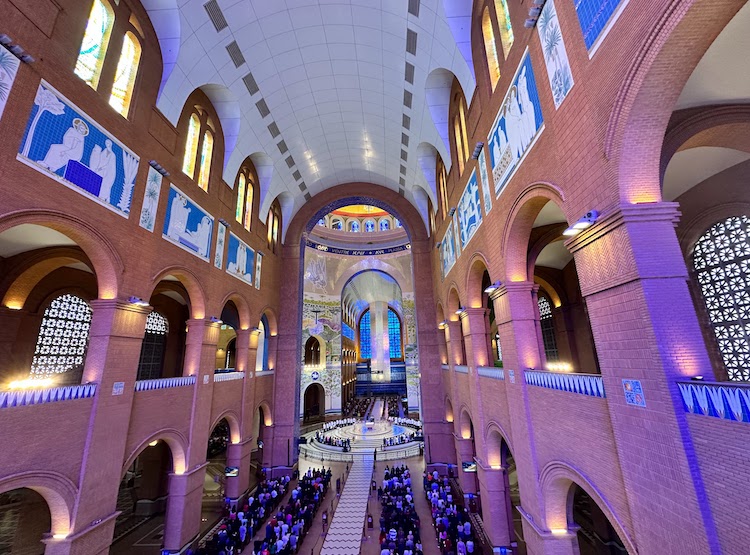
<point>626,213</point>
<point>119,304</point>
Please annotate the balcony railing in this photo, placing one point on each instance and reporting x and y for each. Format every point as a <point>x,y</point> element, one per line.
<point>491,372</point>
<point>730,401</point>
<point>26,397</point>
<point>229,376</point>
<point>584,384</point>
<point>446,367</point>
<point>462,369</point>
<point>164,383</point>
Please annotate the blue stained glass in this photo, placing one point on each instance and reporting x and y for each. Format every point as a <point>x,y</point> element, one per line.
<point>364,336</point>
<point>394,334</point>
<point>347,331</point>
<point>593,15</point>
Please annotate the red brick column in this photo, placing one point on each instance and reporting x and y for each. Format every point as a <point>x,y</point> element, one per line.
<point>495,517</point>
<point>475,341</point>
<point>516,314</point>
<point>117,330</point>
<point>183,518</point>
<point>465,451</point>
<point>633,278</point>
<point>238,454</point>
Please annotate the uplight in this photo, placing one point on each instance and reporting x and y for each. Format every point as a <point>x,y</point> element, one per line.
<point>154,443</point>
<point>559,531</point>
<point>31,384</point>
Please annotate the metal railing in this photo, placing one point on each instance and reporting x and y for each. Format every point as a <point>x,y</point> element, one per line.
<point>312,454</point>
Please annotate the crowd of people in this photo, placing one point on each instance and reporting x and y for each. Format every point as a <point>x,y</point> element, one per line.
<point>410,422</point>
<point>357,406</point>
<point>285,526</point>
<point>345,444</point>
<point>398,440</point>
<point>333,424</point>
<point>399,521</point>
<point>452,522</point>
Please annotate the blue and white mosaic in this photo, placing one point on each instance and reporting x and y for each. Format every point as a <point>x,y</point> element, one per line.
<point>469,211</point>
<point>555,56</point>
<point>187,225</point>
<point>720,401</point>
<point>64,143</point>
<point>240,259</point>
<point>519,122</point>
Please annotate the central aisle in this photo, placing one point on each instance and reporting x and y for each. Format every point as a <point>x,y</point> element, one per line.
<point>344,536</point>
<point>377,409</point>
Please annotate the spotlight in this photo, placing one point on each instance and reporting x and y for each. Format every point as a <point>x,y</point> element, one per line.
<point>137,301</point>
<point>460,310</point>
<point>697,378</point>
<point>158,167</point>
<point>5,40</point>
<point>223,221</point>
<point>477,150</point>
<point>215,320</point>
<point>494,287</point>
<point>583,223</point>
<point>452,211</point>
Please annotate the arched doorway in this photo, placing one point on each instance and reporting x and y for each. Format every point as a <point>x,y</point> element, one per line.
<point>315,403</point>
<point>24,520</point>
<point>596,536</point>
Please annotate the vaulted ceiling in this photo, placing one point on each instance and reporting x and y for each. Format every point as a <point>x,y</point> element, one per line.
<point>319,92</point>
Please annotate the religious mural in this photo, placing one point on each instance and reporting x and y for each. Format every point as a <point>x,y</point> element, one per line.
<point>485,180</point>
<point>151,200</point>
<point>555,55</point>
<point>469,211</point>
<point>448,250</point>
<point>240,259</point>
<point>518,124</point>
<point>8,69</point>
<point>64,143</point>
<point>187,225</point>
<point>258,268</point>
<point>221,236</point>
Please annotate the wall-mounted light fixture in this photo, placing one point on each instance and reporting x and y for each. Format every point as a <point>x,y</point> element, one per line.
<point>460,310</point>
<point>477,150</point>
<point>439,243</point>
<point>137,301</point>
<point>534,12</point>
<point>584,222</point>
<point>697,378</point>
<point>16,49</point>
<point>215,320</point>
<point>493,287</point>
<point>158,167</point>
<point>452,211</point>
<point>223,221</point>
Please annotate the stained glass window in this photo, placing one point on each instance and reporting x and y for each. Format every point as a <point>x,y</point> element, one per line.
<point>459,144</point>
<point>464,138</point>
<point>322,222</point>
<point>384,225</point>
<point>354,226</point>
<point>154,342</point>
<point>94,43</point>
<point>394,334</point>
<point>240,198</point>
<point>249,204</point>
<point>721,260</point>
<point>548,329</point>
<point>206,153</point>
<point>503,23</point>
<point>63,337</point>
<point>127,69</point>
<point>442,188</point>
<point>490,48</point>
<point>364,336</point>
<point>336,224</point>
<point>369,226</point>
<point>191,145</point>
<point>398,222</point>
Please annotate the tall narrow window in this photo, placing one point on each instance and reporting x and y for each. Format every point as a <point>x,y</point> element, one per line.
<point>364,336</point>
<point>63,337</point>
<point>249,204</point>
<point>384,225</point>
<point>206,154</point>
<point>240,198</point>
<point>459,144</point>
<point>442,179</point>
<point>94,44</point>
<point>503,23</point>
<point>127,69</point>
<point>150,364</point>
<point>394,334</point>
<point>490,48</point>
<point>274,224</point>
<point>191,145</point>
<point>464,138</point>
<point>548,329</point>
<point>721,260</point>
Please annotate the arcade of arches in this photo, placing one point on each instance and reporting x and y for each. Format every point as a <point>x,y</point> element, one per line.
<point>503,243</point>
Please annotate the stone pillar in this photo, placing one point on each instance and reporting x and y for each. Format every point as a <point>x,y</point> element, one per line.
<point>379,345</point>
<point>634,281</point>
<point>494,496</point>
<point>239,454</point>
<point>117,330</point>
<point>475,340</point>
<point>17,341</point>
<point>465,451</point>
<point>516,312</point>
<point>186,490</point>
